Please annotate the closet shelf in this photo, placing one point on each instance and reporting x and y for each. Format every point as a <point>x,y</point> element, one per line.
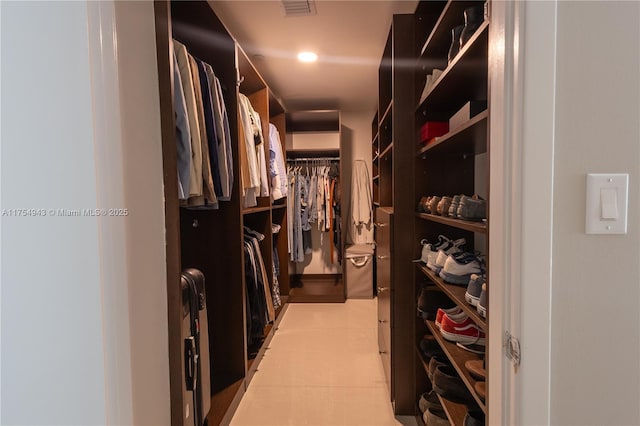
<point>374,159</point>
<point>387,150</point>
<point>470,138</point>
<point>439,41</point>
<point>455,412</point>
<point>222,400</point>
<point>458,357</point>
<point>456,294</point>
<point>279,206</point>
<point>463,80</point>
<point>376,204</point>
<point>480,227</point>
<point>253,210</point>
<point>386,113</point>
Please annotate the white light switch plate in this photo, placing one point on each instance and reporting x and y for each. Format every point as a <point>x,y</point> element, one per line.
<point>607,199</point>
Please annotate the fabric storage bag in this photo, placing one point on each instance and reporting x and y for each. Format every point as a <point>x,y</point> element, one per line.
<point>359,271</point>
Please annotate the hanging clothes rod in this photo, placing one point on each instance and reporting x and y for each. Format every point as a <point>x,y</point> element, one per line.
<point>315,159</point>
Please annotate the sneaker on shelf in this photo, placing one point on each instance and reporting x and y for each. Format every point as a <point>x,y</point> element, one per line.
<point>459,267</point>
<point>423,205</point>
<point>449,385</point>
<point>426,249</point>
<point>433,204</point>
<point>472,208</point>
<point>472,295</point>
<point>474,418</point>
<point>434,363</point>
<point>474,349</point>
<point>443,253</point>
<point>441,312</point>
<point>429,400</point>
<point>453,208</point>
<point>430,347</point>
<point>443,206</point>
<point>482,303</point>
<point>460,328</point>
<point>444,244</point>
<point>435,417</point>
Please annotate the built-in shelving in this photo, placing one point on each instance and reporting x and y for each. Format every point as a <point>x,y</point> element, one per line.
<point>458,357</point>
<point>469,138</point>
<point>480,227</point>
<point>456,294</point>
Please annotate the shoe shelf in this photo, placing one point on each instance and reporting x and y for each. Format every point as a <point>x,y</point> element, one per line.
<point>480,227</point>
<point>470,138</point>
<point>456,294</point>
<point>463,80</point>
<point>386,113</point>
<point>458,357</point>
<point>438,43</point>
<point>252,210</point>
<point>387,150</point>
<point>455,412</point>
<point>376,177</point>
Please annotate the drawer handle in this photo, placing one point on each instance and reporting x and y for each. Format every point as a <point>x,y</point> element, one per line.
<point>382,289</point>
<point>382,321</point>
<point>382,257</point>
<point>381,224</point>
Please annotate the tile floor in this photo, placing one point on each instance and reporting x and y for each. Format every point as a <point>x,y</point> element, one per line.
<point>322,368</point>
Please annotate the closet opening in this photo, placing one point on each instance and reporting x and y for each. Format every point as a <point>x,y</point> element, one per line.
<point>316,215</point>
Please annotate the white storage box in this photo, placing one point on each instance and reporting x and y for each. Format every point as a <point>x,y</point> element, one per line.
<point>358,271</point>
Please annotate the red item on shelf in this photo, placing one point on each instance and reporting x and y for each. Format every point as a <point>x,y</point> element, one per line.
<point>433,129</point>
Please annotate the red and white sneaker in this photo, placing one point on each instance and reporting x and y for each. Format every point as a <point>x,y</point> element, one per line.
<point>441,312</point>
<point>460,328</point>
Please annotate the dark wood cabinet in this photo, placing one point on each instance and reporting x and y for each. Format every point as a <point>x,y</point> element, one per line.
<point>452,164</point>
<point>212,240</point>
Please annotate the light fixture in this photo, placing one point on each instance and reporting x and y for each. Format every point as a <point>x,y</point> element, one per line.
<point>307,57</point>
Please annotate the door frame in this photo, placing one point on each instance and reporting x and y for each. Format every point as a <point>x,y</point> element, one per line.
<point>522,131</point>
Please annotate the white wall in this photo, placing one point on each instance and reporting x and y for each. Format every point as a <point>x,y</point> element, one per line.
<point>84,332</point>
<point>53,362</point>
<point>145,228</point>
<point>356,145</point>
<point>595,325</point>
<point>313,141</point>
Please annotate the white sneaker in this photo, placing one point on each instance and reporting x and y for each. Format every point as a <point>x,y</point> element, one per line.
<point>441,255</point>
<point>459,267</point>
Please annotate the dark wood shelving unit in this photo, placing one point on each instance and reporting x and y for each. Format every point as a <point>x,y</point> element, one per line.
<point>458,357</point>
<point>470,138</point>
<point>480,227</point>
<point>463,80</point>
<point>454,163</point>
<point>456,294</point>
<point>196,25</point>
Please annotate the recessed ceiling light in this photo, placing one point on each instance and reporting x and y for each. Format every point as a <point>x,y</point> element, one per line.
<point>307,57</point>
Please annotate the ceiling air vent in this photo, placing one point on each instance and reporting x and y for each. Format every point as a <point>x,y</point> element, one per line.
<point>299,7</point>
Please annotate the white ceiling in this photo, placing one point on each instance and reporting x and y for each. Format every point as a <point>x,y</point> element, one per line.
<point>348,36</point>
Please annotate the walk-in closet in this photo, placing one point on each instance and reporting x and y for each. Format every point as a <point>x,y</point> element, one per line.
<point>276,201</point>
<point>318,212</point>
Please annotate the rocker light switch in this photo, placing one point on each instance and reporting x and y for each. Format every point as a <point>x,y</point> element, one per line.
<point>606,210</point>
<point>609,203</point>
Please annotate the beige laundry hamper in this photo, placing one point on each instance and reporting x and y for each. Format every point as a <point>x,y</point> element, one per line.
<point>358,272</point>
